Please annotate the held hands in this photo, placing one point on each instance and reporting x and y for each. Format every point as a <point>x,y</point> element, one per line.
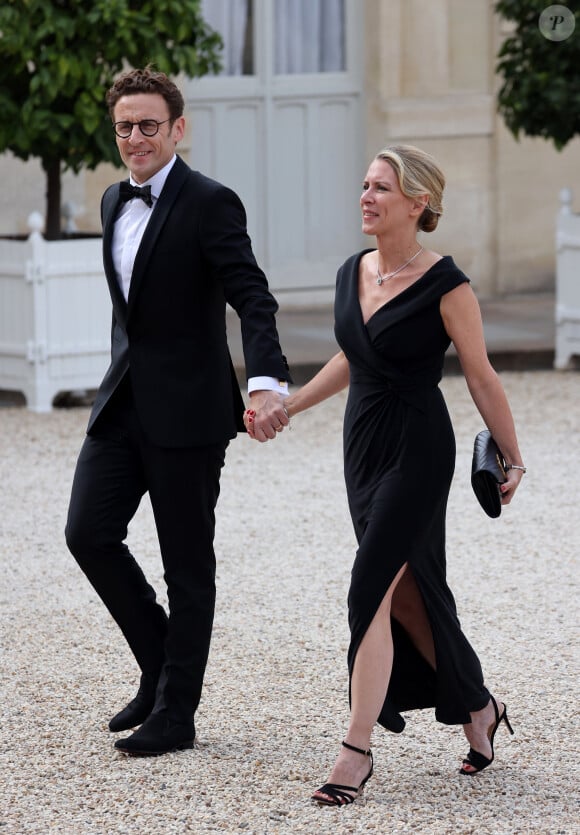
<point>266,417</point>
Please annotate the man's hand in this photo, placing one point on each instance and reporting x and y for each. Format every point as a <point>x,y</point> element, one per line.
<point>266,415</point>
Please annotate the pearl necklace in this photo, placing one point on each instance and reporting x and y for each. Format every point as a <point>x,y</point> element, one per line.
<point>381,278</point>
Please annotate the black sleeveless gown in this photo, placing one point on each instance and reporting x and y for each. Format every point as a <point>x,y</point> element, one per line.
<point>399,458</point>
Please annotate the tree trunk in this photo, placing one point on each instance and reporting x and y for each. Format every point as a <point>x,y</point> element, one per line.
<point>52,230</point>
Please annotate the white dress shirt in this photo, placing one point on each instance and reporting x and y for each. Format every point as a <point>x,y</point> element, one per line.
<point>130,225</point>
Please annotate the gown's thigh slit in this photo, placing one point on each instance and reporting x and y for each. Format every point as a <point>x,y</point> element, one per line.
<point>409,610</point>
<point>381,610</point>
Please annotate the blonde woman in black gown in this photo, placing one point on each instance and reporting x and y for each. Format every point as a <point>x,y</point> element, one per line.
<point>397,309</point>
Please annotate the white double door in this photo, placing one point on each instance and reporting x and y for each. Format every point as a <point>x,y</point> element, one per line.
<point>282,125</point>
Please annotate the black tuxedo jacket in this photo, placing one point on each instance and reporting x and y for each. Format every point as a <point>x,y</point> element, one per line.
<point>170,336</point>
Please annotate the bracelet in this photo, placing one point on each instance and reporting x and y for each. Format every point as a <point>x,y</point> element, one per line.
<point>516,467</point>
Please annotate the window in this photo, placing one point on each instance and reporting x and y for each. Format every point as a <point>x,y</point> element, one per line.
<point>233,19</point>
<point>308,35</point>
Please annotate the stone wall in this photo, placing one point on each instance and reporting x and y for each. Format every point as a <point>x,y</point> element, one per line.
<point>430,81</point>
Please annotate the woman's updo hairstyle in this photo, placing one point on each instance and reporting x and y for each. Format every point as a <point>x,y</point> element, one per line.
<point>418,173</point>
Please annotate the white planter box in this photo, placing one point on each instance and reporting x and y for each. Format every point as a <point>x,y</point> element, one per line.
<point>55,316</point>
<point>567,283</point>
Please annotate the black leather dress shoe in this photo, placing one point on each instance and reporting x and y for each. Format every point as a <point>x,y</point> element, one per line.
<point>159,734</point>
<point>138,708</point>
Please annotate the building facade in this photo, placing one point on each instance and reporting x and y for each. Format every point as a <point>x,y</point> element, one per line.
<point>310,91</point>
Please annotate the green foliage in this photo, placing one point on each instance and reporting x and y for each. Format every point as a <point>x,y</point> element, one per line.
<point>540,94</point>
<point>59,57</point>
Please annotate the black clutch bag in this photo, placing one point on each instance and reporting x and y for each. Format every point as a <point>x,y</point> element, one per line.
<point>487,473</point>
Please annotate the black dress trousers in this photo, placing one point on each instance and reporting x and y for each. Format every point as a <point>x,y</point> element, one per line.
<point>116,467</point>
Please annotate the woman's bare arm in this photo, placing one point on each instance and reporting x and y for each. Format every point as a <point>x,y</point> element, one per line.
<point>462,319</point>
<point>332,378</point>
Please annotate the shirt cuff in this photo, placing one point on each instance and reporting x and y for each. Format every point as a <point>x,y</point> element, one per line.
<point>268,384</point>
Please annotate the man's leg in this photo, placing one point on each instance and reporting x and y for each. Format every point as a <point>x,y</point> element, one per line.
<point>184,488</point>
<point>107,488</point>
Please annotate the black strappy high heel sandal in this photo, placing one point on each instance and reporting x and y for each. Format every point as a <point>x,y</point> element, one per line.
<point>476,760</point>
<point>343,795</point>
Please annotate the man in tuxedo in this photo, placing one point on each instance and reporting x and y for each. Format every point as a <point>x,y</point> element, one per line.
<point>175,250</point>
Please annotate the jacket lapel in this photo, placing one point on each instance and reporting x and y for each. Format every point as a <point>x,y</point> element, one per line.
<point>109,213</point>
<point>173,184</point>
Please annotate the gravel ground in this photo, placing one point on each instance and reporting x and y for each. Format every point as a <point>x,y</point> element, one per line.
<point>274,707</point>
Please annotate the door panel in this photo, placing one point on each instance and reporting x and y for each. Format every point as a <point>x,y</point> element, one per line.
<point>288,183</point>
<point>291,145</point>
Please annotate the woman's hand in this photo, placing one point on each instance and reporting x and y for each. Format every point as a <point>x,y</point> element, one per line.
<point>266,417</point>
<point>509,487</point>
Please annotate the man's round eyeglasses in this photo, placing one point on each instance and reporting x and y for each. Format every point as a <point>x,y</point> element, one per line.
<point>148,127</point>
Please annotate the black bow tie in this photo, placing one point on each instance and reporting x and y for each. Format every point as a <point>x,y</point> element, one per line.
<point>128,192</point>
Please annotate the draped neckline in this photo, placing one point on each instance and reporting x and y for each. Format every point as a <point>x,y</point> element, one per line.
<point>395,298</point>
